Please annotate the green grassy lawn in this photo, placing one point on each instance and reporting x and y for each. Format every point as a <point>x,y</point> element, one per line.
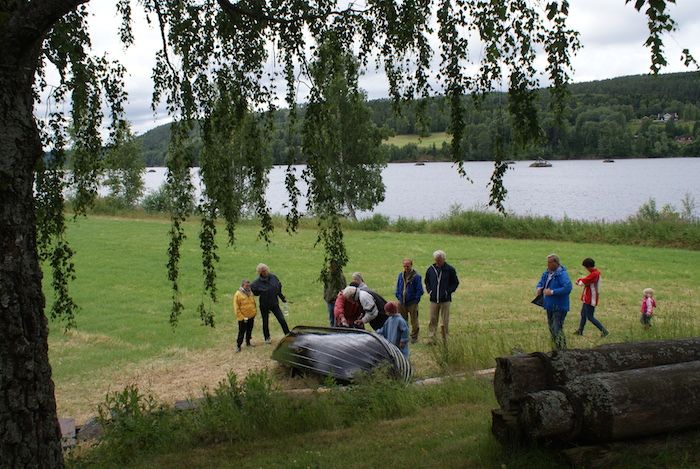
<point>453,444</point>
<point>124,336</point>
<point>436,138</point>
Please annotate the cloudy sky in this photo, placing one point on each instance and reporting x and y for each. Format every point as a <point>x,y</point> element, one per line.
<point>612,34</point>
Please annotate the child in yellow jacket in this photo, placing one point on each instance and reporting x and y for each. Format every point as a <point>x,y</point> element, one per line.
<point>245,309</point>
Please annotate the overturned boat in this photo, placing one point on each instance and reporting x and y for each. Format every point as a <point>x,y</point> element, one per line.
<point>339,352</point>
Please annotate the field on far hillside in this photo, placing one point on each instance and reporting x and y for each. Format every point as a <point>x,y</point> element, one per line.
<point>436,138</point>
<point>123,335</point>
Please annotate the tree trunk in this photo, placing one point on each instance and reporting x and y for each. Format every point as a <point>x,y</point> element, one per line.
<point>519,375</point>
<point>29,431</point>
<point>351,209</point>
<point>605,407</point>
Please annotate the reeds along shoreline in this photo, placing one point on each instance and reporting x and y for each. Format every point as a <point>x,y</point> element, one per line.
<point>649,227</point>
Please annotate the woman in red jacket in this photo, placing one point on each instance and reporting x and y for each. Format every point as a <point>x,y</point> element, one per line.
<point>589,297</point>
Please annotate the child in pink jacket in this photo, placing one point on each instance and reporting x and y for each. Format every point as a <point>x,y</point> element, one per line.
<point>647,308</point>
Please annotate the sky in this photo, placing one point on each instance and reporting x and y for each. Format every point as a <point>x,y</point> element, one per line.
<point>612,34</point>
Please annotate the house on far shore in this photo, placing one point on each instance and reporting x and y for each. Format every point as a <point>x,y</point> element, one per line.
<point>684,140</point>
<point>666,117</point>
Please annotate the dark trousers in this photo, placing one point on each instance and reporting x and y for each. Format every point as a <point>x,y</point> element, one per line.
<point>331,313</point>
<point>265,311</point>
<point>245,328</point>
<point>587,312</point>
<point>555,320</point>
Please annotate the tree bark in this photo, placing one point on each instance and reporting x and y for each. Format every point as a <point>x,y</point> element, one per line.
<point>351,209</point>
<point>606,407</point>
<point>519,375</point>
<point>29,432</point>
<point>505,427</point>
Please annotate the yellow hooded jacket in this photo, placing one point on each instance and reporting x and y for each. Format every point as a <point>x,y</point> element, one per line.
<point>244,305</point>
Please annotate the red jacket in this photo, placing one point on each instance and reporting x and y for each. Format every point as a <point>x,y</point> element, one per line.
<point>591,283</point>
<point>346,312</point>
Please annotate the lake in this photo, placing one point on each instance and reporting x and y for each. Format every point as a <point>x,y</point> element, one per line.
<point>577,189</point>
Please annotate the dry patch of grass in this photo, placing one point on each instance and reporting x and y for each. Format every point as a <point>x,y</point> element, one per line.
<point>177,374</point>
<point>180,373</point>
<point>75,339</point>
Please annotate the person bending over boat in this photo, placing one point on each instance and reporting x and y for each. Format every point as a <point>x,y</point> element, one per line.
<point>346,312</point>
<point>371,304</point>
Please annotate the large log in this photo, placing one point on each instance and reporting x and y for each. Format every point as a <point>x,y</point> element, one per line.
<point>606,407</point>
<point>519,375</point>
<point>567,365</point>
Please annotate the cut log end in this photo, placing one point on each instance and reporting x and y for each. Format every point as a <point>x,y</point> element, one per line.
<point>517,376</point>
<point>547,414</point>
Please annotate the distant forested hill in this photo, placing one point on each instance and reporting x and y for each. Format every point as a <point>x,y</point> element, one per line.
<point>633,116</point>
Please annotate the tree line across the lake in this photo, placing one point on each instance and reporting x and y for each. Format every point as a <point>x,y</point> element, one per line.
<point>633,116</point>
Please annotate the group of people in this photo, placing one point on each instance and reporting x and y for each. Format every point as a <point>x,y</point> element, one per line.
<point>555,287</point>
<point>354,305</point>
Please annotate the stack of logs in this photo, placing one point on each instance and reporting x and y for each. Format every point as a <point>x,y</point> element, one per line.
<point>607,393</point>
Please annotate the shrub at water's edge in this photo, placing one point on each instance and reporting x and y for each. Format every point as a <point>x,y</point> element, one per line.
<point>649,227</point>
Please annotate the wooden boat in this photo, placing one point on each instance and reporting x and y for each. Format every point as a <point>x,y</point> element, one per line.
<point>339,352</point>
<point>540,163</point>
<point>608,161</point>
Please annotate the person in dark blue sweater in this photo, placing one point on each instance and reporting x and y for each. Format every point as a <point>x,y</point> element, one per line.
<point>440,282</point>
<point>269,288</point>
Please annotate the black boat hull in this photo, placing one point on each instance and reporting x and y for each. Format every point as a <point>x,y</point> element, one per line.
<point>340,353</point>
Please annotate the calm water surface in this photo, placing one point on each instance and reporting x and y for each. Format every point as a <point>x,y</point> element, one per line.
<point>578,189</point>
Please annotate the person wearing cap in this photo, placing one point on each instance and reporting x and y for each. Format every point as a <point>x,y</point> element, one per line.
<point>395,329</point>
<point>269,288</point>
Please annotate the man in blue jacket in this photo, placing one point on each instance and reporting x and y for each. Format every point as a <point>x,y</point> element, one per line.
<point>555,286</point>
<point>440,282</point>
<point>409,289</point>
